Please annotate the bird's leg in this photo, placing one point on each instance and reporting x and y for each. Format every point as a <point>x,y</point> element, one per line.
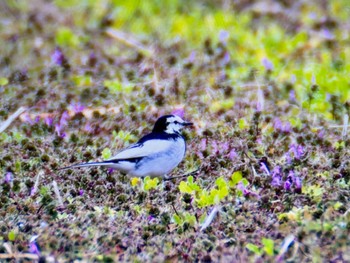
<point>166,178</point>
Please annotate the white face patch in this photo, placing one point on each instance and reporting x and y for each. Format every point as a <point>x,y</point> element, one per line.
<point>174,124</point>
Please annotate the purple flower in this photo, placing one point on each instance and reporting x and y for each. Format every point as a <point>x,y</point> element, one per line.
<point>312,15</point>
<point>92,59</point>
<point>297,184</point>
<point>232,155</point>
<point>327,34</point>
<point>33,246</point>
<point>28,119</point>
<point>64,119</point>
<point>59,131</point>
<point>110,170</point>
<point>259,106</point>
<point>313,79</point>
<point>214,145</point>
<point>293,79</point>
<point>88,128</point>
<point>8,177</point>
<point>320,134</point>
<point>77,107</point>
<point>59,127</point>
<point>192,57</point>
<point>241,186</point>
<point>264,167</point>
<point>297,150</point>
<point>245,191</point>
<point>280,126</point>
<point>267,64</point>
<point>227,58</point>
<point>48,121</point>
<point>292,177</point>
<point>179,112</point>
<point>81,192</point>
<point>203,144</point>
<point>287,185</point>
<point>33,190</point>
<point>224,147</point>
<point>223,36</point>
<point>57,57</point>
<point>276,176</point>
<point>292,97</point>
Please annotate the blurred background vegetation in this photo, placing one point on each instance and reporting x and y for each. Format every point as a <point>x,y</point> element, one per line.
<point>266,84</point>
<point>298,43</point>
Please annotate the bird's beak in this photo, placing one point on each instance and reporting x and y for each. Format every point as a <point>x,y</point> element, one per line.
<point>187,123</point>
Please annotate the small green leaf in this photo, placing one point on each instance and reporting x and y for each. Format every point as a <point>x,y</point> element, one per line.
<point>253,248</point>
<point>18,165</point>
<point>185,188</point>
<point>106,153</point>
<point>65,37</point>
<point>245,182</point>
<point>191,219</point>
<point>116,86</point>
<point>236,178</point>
<point>338,205</point>
<point>242,124</point>
<point>268,246</point>
<point>82,81</point>
<point>189,186</point>
<point>149,183</point>
<point>62,216</point>
<point>3,81</point>
<point>220,182</point>
<point>12,235</point>
<point>44,190</point>
<point>177,219</point>
<point>17,136</point>
<point>223,192</point>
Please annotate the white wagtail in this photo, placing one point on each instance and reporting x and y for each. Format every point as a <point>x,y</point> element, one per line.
<point>155,155</point>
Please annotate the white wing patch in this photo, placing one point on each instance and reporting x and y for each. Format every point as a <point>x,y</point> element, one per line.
<point>145,149</point>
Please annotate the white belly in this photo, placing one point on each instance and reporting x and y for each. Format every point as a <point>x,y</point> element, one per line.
<point>162,163</point>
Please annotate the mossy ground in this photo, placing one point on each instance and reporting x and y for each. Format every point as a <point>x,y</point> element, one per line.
<point>266,84</point>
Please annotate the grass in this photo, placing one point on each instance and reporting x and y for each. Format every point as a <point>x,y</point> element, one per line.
<point>266,85</point>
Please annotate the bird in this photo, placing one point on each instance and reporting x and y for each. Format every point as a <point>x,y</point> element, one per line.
<point>155,154</point>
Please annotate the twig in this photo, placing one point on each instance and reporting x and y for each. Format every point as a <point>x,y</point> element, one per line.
<point>57,192</point>
<point>345,126</point>
<point>172,205</point>
<point>5,124</point>
<point>287,242</point>
<point>17,256</point>
<point>8,248</point>
<point>129,41</point>
<point>254,172</point>
<point>36,184</point>
<point>210,217</point>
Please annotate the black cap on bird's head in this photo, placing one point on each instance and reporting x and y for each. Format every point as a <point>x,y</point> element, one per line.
<point>170,124</point>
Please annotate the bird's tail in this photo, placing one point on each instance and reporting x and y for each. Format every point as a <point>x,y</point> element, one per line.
<point>81,165</point>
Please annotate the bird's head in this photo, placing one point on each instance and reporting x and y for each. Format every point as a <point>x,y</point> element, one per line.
<point>170,124</point>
